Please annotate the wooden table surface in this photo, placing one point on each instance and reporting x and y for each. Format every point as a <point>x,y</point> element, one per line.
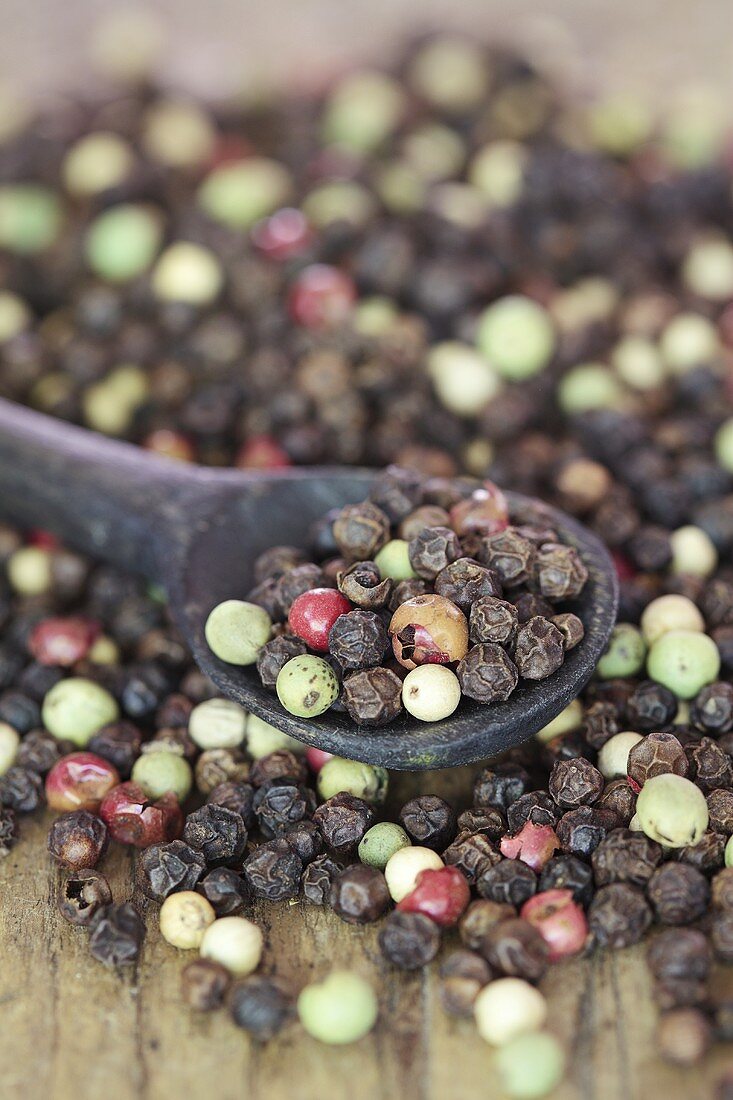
<point>72,1030</point>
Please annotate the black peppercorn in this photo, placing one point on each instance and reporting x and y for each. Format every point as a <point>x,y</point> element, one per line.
<point>275,654</point>
<point>581,831</point>
<point>510,555</point>
<point>276,561</point>
<point>343,819</point>
<point>299,579</point>
<point>409,940</point>
<point>574,783</point>
<point>82,895</point>
<point>316,880</point>
<point>360,530</point>
<point>493,620</point>
<point>709,766</point>
<point>623,856</point>
<point>119,743</point>
<point>462,975</point>
<point>237,797</point>
<point>720,809</point>
<point>465,581</point>
<point>679,893</point>
<point>358,639</point>
<point>500,786</point>
<point>429,821</point>
<point>721,935</point>
<point>472,854</point>
<point>226,890</point>
<point>78,839</point>
<point>722,889</point>
<point>305,839</point>
<point>39,751</point>
<point>362,584</point>
<point>516,949</point>
<point>571,628</point>
<point>359,894</point>
<point>373,696</point>
<point>479,919</point>
<point>116,934</point>
<point>432,550</point>
<point>536,807</point>
<point>164,868</point>
<point>601,723</point>
<point>260,1006</point>
<point>650,707</point>
<point>280,764</point>
<point>712,708</point>
<point>483,819</point>
<point>397,492</point>
<point>8,831</point>
<point>656,754</point>
<point>487,674</point>
<point>619,915</point>
<point>707,855</point>
<point>510,882</point>
<point>218,833</point>
<point>280,803</point>
<point>568,873</point>
<point>273,870</point>
<point>21,790</point>
<point>204,984</point>
<point>620,799</point>
<point>680,954</point>
<point>539,649</point>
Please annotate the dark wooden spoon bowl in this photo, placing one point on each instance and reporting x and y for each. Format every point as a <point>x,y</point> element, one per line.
<point>197,531</point>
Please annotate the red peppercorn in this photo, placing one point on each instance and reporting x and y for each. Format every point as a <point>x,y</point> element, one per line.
<point>132,819</point>
<point>170,444</point>
<point>284,234</point>
<point>313,614</point>
<point>534,844</point>
<point>321,296</point>
<point>624,568</point>
<point>316,758</point>
<point>262,452</point>
<point>44,540</point>
<point>62,641</point>
<point>80,781</point>
<point>441,894</point>
<point>559,920</point>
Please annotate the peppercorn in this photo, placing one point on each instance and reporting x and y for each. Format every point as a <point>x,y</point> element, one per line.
<point>539,650</point>
<point>204,985</point>
<point>132,819</point>
<point>506,1008</point>
<point>277,765</point>
<point>260,1006</point>
<point>580,831</point>
<point>359,894</point>
<point>218,833</point>
<point>307,686</point>
<point>78,839</point>
<point>362,584</point>
<point>720,811</point>
<point>431,550</point>
<point>118,743</point>
<point>409,940</point>
<point>683,1036</point>
<point>238,797</point>
<point>574,783</point>
<point>568,873</point>
<point>535,807</point>
<point>317,878</point>
<point>340,1009</point>
<point>672,810</point>
<point>116,934</point>
<point>516,949</point>
<point>487,674</point>
<point>500,787</point>
<point>8,832</point>
<point>21,790</point>
<point>360,530</point>
<point>619,915</point>
<point>272,871</point>
<point>623,856</point>
<point>493,620</point>
<point>82,895</point>
<point>510,882</point>
<point>679,893</point>
<point>275,654</point>
<point>650,706</point>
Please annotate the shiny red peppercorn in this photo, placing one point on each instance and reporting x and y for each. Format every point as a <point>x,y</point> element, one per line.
<point>62,641</point>
<point>313,614</point>
<point>133,819</point>
<point>316,758</point>
<point>441,894</point>
<point>80,781</point>
<point>321,297</point>
<point>284,234</point>
<point>170,444</point>
<point>262,452</point>
<point>559,920</point>
<point>534,844</point>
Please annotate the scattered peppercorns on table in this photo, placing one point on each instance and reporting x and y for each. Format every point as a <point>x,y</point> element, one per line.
<point>444,269</point>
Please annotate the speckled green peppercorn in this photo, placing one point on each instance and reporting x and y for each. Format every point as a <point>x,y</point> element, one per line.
<point>684,661</point>
<point>381,842</point>
<point>236,631</point>
<point>340,1009</point>
<point>530,1066</point>
<point>75,709</point>
<point>624,654</point>
<point>306,686</point>
<point>393,561</point>
<point>161,772</point>
<point>672,810</point>
<point>362,780</point>
<point>516,336</point>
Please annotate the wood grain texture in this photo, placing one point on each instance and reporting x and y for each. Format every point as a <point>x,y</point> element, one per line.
<point>71,1030</point>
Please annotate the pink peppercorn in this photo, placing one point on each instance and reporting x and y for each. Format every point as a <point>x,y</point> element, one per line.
<point>262,452</point>
<point>441,894</point>
<point>133,819</point>
<point>80,781</point>
<point>321,297</point>
<point>313,614</point>
<point>559,920</point>
<point>284,234</point>
<point>533,844</point>
<point>316,758</point>
<point>62,641</point>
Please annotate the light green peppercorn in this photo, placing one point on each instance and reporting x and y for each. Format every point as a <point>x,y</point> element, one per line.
<point>729,852</point>
<point>341,201</point>
<point>624,655</point>
<point>306,686</point>
<point>530,1066</point>
<point>362,780</point>
<point>161,772</point>
<point>340,1009</point>
<point>516,336</point>
<point>30,218</point>
<point>29,570</point>
<point>9,745</point>
<point>217,724</point>
<point>723,444</point>
<point>464,381</point>
<point>97,162</point>
<point>15,316</point>
<point>122,242</point>
<point>242,192</point>
<point>497,171</point>
<point>363,110</point>
<point>589,386</point>
<point>236,631</point>
<point>569,719</point>
<point>76,709</point>
<point>262,739</point>
<point>689,340</point>
<point>187,272</point>
<point>684,661</point>
<point>381,842</point>
<point>693,551</point>
<point>393,560</point>
<point>672,810</point>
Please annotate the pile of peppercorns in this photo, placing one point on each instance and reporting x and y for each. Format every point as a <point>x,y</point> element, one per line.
<point>445,268</point>
<point>431,597</point>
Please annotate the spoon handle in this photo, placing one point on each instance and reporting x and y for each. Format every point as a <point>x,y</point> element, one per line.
<point>103,497</point>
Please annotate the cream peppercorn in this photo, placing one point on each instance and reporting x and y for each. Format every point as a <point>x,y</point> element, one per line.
<point>613,757</point>
<point>507,1008</point>
<point>217,724</point>
<point>184,918</point>
<point>405,865</point>
<point>234,942</point>
<point>236,631</point>
<point>9,744</point>
<point>667,613</point>
<point>430,692</point>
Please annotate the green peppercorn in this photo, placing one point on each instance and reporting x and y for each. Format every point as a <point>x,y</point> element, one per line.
<point>236,631</point>
<point>30,218</point>
<point>689,340</point>
<point>363,110</point>
<point>724,445</point>
<point>516,336</point>
<point>530,1066</point>
<point>667,613</point>
<point>463,379</point>
<point>684,661</point>
<point>29,571</point>
<point>729,852</point>
<point>393,560</point>
<point>240,193</point>
<point>96,163</point>
<point>160,772</point>
<point>589,386</point>
<point>693,552</point>
<point>340,1009</point>
<point>569,719</point>
<point>672,810</point>
<point>362,780</point>
<point>121,243</point>
<point>339,202</point>
<point>381,842</point>
<point>15,316</point>
<point>9,745</point>
<point>624,655</point>
<point>306,686</point>
<point>75,709</point>
<point>262,739</point>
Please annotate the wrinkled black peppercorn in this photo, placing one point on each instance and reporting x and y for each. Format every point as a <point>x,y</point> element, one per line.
<point>409,940</point>
<point>116,934</point>
<point>218,833</point>
<point>164,868</point>
<point>429,821</point>
<point>273,870</point>
<point>260,1005</point>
